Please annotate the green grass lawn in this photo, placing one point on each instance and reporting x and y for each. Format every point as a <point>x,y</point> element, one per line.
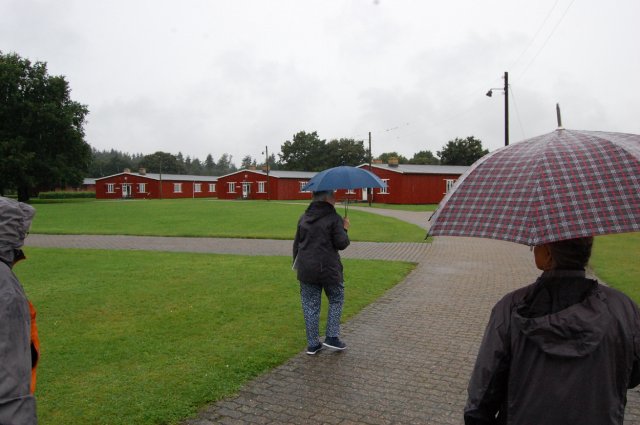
<point>615,260</point>
<point>133,337</point>
<point>204,218</point>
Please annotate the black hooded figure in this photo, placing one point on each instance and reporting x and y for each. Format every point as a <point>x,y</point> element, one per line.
<point>563,350</point>
<point>321,233</point>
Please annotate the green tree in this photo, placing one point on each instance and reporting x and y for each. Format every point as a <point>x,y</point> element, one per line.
<point>105,163</point>
<point>385,157</point>
<point>209,165</point>
<point>225,165</point>
<point>162,162</point>
<point>305,153</point>
<point>196,167</point>
<point>42,142</point>
<point>462,151</point>
<point>273,163</point>
<point>424,158</point>
<point>247,162</point>
<point>345,152</point>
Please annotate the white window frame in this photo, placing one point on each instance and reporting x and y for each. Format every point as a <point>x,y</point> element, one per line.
<point>231,187</point>
<point>142,187</point>
<point>262,186</point>
<point>111,188</point>
<point>448,184</point>
<point>197,187</point>
<point>350,192</point>
<point>384,190</point>
<point>177,188</point>
<point>303,184</point>
<point>212,187</point>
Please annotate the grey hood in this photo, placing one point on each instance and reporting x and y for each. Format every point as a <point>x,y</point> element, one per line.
<point>15,220</point>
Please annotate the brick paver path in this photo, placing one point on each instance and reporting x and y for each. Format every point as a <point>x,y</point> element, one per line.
<point>410,353</point>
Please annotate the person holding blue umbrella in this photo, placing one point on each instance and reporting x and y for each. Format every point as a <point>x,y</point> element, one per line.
<point>320,235</point>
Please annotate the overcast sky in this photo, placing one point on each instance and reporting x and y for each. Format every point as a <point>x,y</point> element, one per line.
<point>234,76</point>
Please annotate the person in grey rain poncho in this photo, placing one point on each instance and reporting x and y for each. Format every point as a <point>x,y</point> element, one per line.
<point>17,355</point>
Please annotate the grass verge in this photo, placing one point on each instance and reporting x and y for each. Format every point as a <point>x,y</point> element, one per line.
<point>401,207</point>
<point>615,260</point>
<point>204,218</point>
<point>134,337</point>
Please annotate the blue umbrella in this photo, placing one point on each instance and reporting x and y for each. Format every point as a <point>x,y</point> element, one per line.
<point>343,177</point>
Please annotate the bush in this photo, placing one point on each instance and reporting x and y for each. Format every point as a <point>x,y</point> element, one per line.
<point>66,195</point>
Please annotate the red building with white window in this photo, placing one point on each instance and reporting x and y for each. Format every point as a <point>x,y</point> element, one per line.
<point>411,183</point>
<point>143,185</point>
<point>255,184</point>
<point>406,184</point>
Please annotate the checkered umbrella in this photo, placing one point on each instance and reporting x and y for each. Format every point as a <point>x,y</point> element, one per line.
<point>562,185</point>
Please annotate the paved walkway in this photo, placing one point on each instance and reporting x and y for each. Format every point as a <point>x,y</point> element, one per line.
<point>410,353</point>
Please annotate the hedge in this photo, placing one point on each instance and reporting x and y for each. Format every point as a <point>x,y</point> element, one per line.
<point>66,195</point>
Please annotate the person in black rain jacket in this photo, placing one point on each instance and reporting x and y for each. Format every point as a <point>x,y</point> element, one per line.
<point>321,233</point>
<point>563,350</point>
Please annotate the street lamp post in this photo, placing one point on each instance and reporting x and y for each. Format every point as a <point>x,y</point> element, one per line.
<point>506,106</point>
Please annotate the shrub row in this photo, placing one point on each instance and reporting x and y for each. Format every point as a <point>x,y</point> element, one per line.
<point>66,195</point>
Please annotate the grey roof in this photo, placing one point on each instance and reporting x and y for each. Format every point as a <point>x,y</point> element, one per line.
<point>422,169</point>
<point>292,174</point>
<point>87,182</point>
<point>176,177</point>
<point>278,174</point>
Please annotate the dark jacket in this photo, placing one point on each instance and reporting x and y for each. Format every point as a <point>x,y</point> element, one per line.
<point>563,350</point>
<point>319,237</point>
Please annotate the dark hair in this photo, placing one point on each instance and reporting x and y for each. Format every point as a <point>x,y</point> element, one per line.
<point>322,195</point>
<point>571,254</point>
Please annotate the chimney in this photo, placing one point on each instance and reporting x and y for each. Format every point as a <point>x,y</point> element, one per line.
<point>393,162</point>
<point>252,168</point>
<point>142,171</point>
<point>127,170</point>
<point>377,161</point>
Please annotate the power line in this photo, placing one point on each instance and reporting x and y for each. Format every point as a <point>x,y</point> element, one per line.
<point>547,40</point>
<point>535,36</point>
<point>517,112</point>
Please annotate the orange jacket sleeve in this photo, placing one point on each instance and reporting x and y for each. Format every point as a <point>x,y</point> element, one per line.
<point>35,347</point>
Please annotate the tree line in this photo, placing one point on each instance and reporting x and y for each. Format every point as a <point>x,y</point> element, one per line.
<point>109,162</point>
<point>43,147</point>
<point>305,152</point>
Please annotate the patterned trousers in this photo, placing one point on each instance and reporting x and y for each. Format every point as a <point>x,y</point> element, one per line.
<point>311,299</point>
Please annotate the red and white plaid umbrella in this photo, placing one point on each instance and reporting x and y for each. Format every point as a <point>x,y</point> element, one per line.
<point>562,185</point>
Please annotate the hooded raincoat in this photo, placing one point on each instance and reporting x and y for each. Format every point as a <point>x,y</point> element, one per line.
<point>319,237</point>
<point>561,351</point>
<point>17,404</point>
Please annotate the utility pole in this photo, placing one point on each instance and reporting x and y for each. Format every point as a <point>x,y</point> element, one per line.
<point>506,108</point>
<point>160,179</point>
<point>369,190</point>
<point>266,153</point>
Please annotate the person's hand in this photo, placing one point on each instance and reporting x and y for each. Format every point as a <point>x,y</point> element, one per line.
<point>346,223</point>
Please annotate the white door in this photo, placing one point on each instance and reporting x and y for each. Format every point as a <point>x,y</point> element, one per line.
<point>364,193</point>
<point>246,189</point>
<point>126,190</point>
